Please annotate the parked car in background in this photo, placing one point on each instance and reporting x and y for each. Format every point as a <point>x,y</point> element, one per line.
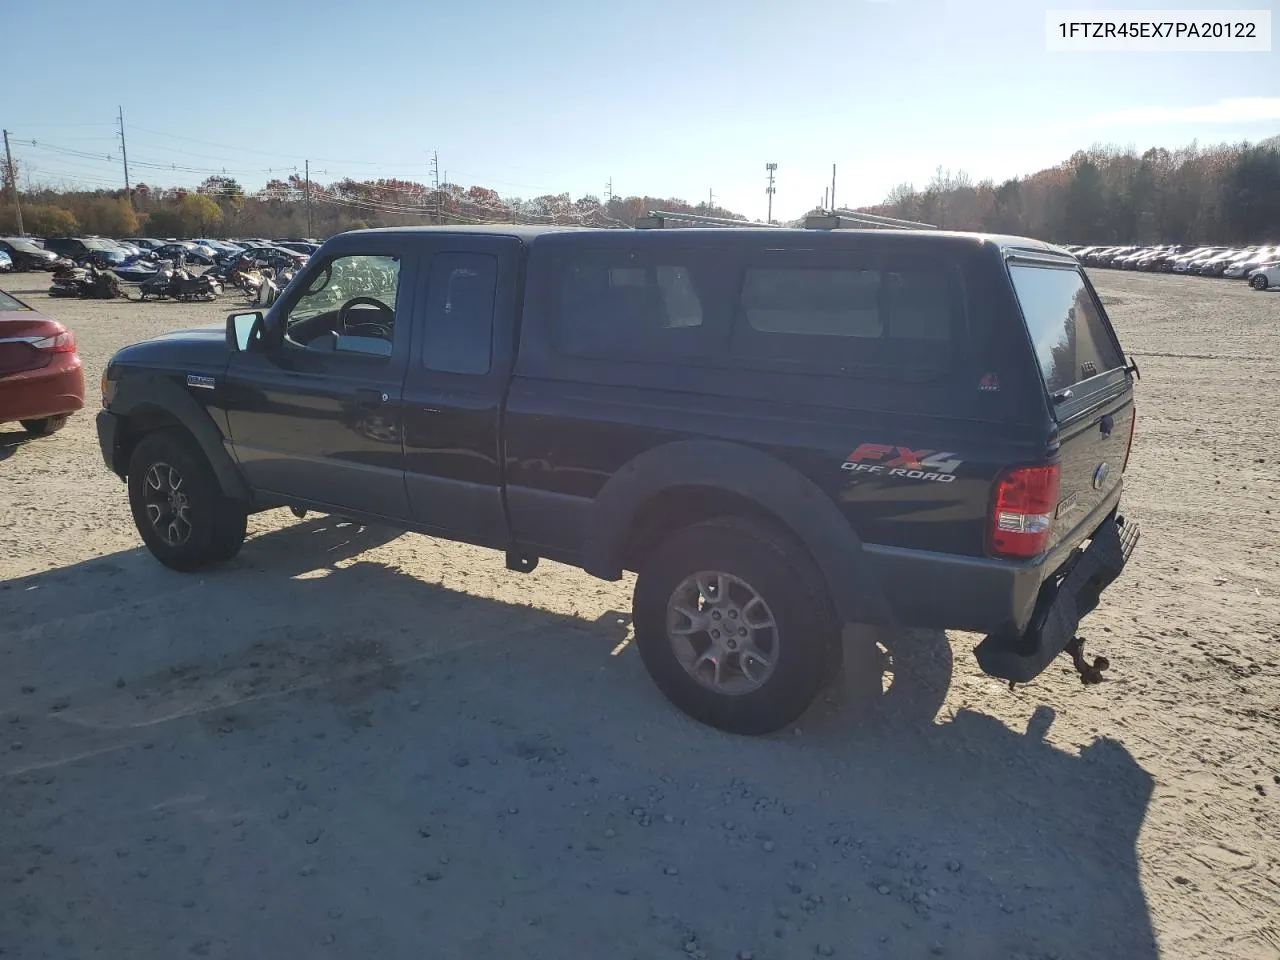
<point>6,262</point>
<point>299,246</point>
<point>1214,266</point>
<point>277,258</point>
<point>145,243</point>
<point>1163,261</point>
<point>102,252</point>
<point>41,382</point>
<point>28,255</point>
<point>192,253</point>
<point>1191,262</point>
<point>217,246</point>
<point>1244,266</point>
<point>1265,278</point>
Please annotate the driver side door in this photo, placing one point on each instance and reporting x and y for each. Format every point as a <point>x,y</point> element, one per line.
<point>314,412</point>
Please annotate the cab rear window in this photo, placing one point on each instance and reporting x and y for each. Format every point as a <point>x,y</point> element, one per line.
<point>1071,337</point>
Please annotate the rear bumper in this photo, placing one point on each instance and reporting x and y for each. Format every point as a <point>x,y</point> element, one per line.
<point>1063,601</point>
<point>47,391</point>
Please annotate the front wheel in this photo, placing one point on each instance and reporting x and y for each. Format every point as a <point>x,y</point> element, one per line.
<point>45,425</point>
<point>734,625</point>
<point>178,506</point>
<point>1258,282</point>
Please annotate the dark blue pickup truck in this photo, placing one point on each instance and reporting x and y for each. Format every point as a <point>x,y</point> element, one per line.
<point>780,431</point>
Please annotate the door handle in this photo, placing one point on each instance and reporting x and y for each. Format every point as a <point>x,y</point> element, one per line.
<point>370,399</point>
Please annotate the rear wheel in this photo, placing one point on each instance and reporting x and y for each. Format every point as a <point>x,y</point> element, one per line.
<point>178,506</point>
<point>734,625</point>
<point>1258,283</point>
<point>45,425</point>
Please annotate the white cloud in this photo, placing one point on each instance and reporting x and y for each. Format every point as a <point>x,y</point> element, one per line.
<point>1234,110</point>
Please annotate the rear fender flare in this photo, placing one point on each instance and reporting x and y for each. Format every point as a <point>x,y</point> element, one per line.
<point>135,393</point>
<point>753,475</point>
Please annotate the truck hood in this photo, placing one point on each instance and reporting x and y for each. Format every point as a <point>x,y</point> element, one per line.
<point>204,347</point>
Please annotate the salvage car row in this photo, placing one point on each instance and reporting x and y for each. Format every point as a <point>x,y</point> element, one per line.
<point>1259,265</point>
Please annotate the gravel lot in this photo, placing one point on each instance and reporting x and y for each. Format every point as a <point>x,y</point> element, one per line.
<point>349,743</point>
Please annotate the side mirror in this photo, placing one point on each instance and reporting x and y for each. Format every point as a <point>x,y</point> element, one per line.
<point>244,330</point>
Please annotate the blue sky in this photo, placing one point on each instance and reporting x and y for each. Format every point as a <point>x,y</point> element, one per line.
<point>666,98</point>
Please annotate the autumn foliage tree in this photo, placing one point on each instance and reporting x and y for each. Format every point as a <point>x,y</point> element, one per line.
<point>1223,194</point>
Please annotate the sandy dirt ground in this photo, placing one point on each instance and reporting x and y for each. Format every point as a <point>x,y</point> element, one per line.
<point>348,743</point>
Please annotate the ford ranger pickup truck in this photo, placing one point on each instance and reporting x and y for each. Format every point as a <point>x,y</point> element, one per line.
<point>779,431</point>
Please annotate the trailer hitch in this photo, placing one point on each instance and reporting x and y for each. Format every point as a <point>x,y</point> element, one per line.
<point>1089,672</point>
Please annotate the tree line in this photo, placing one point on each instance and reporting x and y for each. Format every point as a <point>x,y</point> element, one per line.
<point>221,207</point>
<point>1220,194</point>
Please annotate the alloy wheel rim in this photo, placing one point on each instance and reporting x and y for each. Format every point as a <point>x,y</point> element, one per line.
<point>722,632</point>
<point>167,505</point>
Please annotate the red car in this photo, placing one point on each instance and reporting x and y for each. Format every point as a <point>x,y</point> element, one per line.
<point>41,382</point>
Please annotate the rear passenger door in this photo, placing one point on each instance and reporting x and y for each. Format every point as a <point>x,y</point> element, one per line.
<point>460,366</point>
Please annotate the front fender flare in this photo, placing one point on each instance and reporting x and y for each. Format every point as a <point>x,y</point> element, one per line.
<point>776,487</point>
<point>135,393</point>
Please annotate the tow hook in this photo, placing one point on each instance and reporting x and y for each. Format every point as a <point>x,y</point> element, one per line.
<point>1089,672</point>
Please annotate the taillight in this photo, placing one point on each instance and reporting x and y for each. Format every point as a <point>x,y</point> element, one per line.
<point>1022,512</point>
<point>64,342</point>
<point>1133,426</point>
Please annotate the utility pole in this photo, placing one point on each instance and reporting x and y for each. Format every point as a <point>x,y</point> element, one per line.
<point>770,168</point>
<point>124,155</point>
<point>711,200</point>
<point>824,199</point>
<point>435,181</point>
<point>608,192</point>
<point>13,183</point>
<point>307,168</point>
<point>833,186</point>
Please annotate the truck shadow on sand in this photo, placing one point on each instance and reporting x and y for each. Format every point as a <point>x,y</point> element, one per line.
<point>305,750</point>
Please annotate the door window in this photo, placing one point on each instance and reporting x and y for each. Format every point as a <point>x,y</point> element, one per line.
<point>348,307</point>
<point>459,322</point>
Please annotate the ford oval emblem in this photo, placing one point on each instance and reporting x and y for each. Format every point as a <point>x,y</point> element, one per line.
<point>1100,475</point>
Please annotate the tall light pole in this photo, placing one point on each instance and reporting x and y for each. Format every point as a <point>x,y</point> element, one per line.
<point>770,168</point>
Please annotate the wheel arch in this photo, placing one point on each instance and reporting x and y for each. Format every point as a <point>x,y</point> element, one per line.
<point>147,404</point>
<point>684,482</point>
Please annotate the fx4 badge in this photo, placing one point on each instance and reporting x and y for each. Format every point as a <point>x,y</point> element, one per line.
<point>891,461</point>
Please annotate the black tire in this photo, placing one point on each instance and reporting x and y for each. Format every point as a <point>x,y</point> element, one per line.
<point>45,425</point>
<point>212,527</point>
<point>1258,283</point>
<point>781,573</point>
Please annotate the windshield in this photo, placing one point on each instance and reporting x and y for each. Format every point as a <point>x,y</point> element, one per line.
<point>346,277</point>
<point>24,246</point>
<point>9,303</point>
